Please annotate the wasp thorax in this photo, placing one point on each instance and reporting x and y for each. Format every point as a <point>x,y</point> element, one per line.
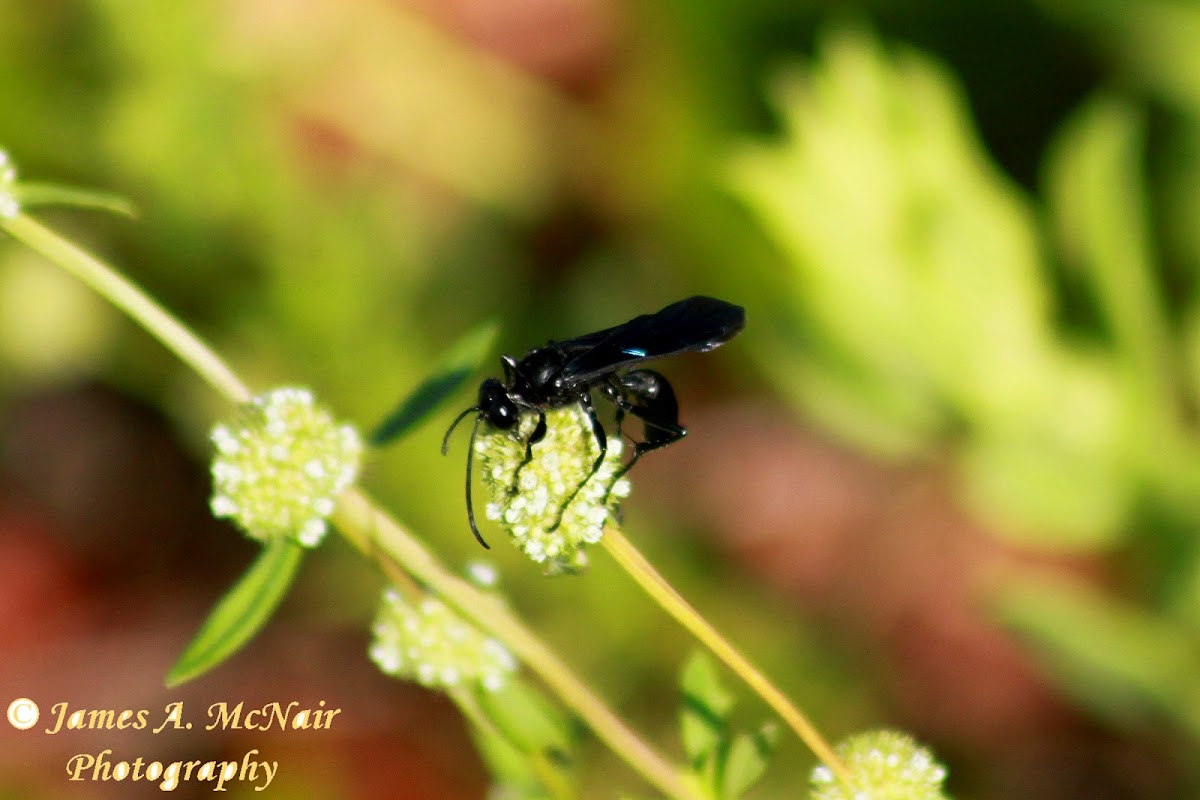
<point>534,502</point>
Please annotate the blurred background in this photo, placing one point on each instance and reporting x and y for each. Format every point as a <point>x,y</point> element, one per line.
<point>947,480</point>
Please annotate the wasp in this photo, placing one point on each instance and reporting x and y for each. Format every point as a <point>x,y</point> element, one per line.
<point>606,364</point>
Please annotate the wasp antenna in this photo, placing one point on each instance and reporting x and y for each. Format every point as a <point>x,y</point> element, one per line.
<point>453,425</point>
<point>470,460</point>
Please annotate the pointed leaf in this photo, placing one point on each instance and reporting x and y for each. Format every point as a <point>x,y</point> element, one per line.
<point>514,774</point>
<point>527,743</point>
<point>30,195</point>
<point>526,720</point>
<point>747,761</point>
<point>242,612</point>
<point>455,366</point>
<point>1099,199</point>
<point>706,706</point>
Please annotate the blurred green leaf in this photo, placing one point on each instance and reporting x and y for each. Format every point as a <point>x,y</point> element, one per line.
<point>1099,206</point>
<point>528,721</point>
<point>1045,493</point>
<point>888,420</point>
<point>242,612</point>
<point>514,774</point>
<point>1120,660</point>
<point>747,760</point>
<point>454,368</point>
<point>509,767</point>
<point>706,707</point>
<point>528,744</point>
<point>726,765</point>
<point>915,308</point>
<point>33,195</point>
<point>913,270</point>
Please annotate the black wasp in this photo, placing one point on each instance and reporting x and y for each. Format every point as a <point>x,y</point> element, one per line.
<point>567,372</point>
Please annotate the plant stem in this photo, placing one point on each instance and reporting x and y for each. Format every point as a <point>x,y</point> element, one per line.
<point>674,604</point>
<point>129,298</point>
<point>359,520</point>
<point>372,530</point>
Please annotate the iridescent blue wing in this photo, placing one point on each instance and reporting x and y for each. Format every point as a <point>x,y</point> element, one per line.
<point>696,324</point>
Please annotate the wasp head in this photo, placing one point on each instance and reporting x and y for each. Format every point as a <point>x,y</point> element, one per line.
<point>496,406</point>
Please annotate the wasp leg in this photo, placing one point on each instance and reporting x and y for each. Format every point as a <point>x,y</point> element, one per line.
<point>539,433</point>
<point>612,391</point>
<point>602,440</point>
<point>649,397</point>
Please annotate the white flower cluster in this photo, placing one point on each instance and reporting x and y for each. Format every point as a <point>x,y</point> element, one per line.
<point>9,207</point>
<point>883,765</point>
<point>560,463</point>
<point>281,465</point>
<point>431,644</point>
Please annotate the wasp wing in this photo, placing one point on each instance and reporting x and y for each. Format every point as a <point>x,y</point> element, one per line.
<point>696,324</point>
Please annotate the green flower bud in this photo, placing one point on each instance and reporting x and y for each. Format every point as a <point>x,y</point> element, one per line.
<point>561,462</point>
<point>281,465</point>
<point>883,765</point>
<point>432,645</point>
<point>9,207</point>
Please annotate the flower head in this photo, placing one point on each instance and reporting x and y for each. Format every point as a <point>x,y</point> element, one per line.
<point>883,765</point>
<point>430,643</point>
<point>9,207</point>
<point>281,465</point>
<point>539,512</point>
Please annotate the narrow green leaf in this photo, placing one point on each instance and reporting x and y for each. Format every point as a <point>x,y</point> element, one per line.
<point>241,612</point>
<point>747,761</point>
<point>31,195</point>
<point>527,743</point>
<point>456,365</point>
<point>526,720</point>
<point>1101,215</point>
<point>706,704</point>
<point>515,774</point>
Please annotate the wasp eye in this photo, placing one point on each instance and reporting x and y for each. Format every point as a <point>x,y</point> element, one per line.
<point>502,413</point>
<point>496,406</point>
